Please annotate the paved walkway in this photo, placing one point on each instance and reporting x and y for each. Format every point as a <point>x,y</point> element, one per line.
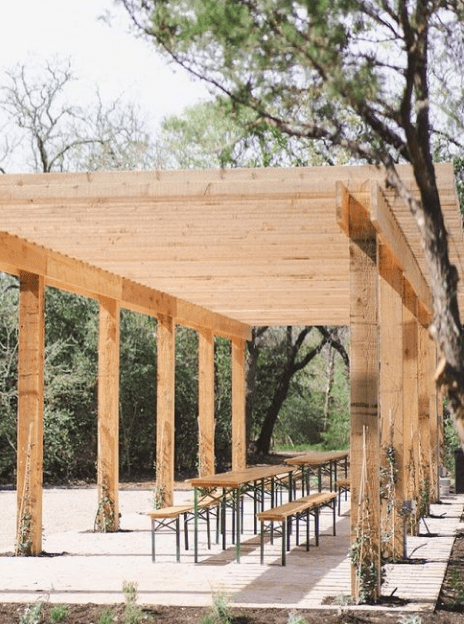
<point>83,566</point>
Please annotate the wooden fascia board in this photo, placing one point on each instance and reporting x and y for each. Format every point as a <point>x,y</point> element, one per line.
<point>66,273</point>
<point>391,235</point>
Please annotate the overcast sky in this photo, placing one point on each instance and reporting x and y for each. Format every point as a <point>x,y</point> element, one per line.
<point>103,54</point>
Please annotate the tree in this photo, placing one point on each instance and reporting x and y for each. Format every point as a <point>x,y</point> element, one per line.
<point>55,133</point>
<point>293,354</point>
<point>300,65</point>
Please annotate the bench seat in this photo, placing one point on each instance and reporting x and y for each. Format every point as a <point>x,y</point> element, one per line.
<point>169,518</point>
<point>299,509</point>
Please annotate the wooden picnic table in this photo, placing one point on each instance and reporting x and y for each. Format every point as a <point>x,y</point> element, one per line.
<point>233,485</point>
<point>319,462</point>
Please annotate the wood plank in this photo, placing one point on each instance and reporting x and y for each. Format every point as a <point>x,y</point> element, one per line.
<point>30,413</point>
<point>165,415</point>
<point>108,415</point>
<point>206,421</point>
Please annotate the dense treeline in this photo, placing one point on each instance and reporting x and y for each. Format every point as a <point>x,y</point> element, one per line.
<point>314,410</point>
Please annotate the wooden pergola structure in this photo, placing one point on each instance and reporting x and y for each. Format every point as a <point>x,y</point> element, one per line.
<point>220,252</point>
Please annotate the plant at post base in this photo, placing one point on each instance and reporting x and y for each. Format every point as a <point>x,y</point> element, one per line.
<point>388,478</point>
<point>105,518</point>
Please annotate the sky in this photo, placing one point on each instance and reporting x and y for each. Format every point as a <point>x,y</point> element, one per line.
<point>109,56</point>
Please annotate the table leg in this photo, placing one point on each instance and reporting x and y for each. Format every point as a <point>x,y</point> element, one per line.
<point>237,523</point>
<point>195,525</point>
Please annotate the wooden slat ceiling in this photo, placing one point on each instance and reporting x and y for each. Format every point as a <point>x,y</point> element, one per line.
<point>259,246</point>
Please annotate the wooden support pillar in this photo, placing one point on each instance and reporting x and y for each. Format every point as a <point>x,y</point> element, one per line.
<point>391,402</point>
<point>206,421</point>
<point>165,414</point>
<point>411,400</point>
<point>434,422</point>
<point>108,416</point>
<point>365,424</point>
<point>238,404</point>
<point>30,413</point>
<point>425,382</point>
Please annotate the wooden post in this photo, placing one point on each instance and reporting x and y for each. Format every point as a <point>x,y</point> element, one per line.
<point>238,404</point>
<point>206,402</point>
<point>165,415</point>
<point>30,413</point>
<point>365,425</point>
<point>391,401</point>
<point>108,416</point>
<point>411,407</point>
<point>434,423</point>
<point>425,382</point>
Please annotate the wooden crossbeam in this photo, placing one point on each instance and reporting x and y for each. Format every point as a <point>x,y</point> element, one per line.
<point>78,277</point>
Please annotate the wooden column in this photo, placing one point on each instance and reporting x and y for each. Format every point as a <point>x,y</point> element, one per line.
<point>238,404</point>
<point>365,425</point>
<point>411,406</point>
<point>434,421</point>
<point>425,382</point>
<point>206,421</point>
<point>391,402</point>
<point>108,416</point>
<point>165,415</point>
<point>30,413</point>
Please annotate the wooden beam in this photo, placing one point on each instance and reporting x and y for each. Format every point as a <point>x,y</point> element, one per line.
<point>165,415</point>
<point>206,422</point>
<point>393,237</point>
<point>196,317</point>
<point>108,416</point>
<point>78,277</point>
<point>391,400</point>
<point>238,404</point>
<point>30,413</point>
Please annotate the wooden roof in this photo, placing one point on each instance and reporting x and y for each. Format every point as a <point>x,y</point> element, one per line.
<point>261,246</point>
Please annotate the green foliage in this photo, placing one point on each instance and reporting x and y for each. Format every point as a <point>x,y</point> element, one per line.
<point>58,613</point>
<point>9,289</point>
<point>107,616</point>
<point>32,614</point>
<point>133,613</point>
<point>186,401</point>
<point>70,386</point>
<point>220,611</point>
<point>296,618</point>
<point>223,402</point>
<point>137,393</point>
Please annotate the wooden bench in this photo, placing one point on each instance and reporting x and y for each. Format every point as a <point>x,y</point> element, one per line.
<point>299,509</point>
<point>342,485</point>
<point>169,518</point>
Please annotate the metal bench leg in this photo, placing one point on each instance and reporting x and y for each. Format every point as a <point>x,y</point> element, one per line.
<point>186,536</point>
<point>334,517</point>
<point>262,543</point>
<point>316,525</point>
<point>153,529</point>
<point>284,540</point>
<point>178,539</point>
<point>308,516</point>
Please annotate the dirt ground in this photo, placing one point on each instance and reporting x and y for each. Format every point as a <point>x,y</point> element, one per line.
<point>450,609</point>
